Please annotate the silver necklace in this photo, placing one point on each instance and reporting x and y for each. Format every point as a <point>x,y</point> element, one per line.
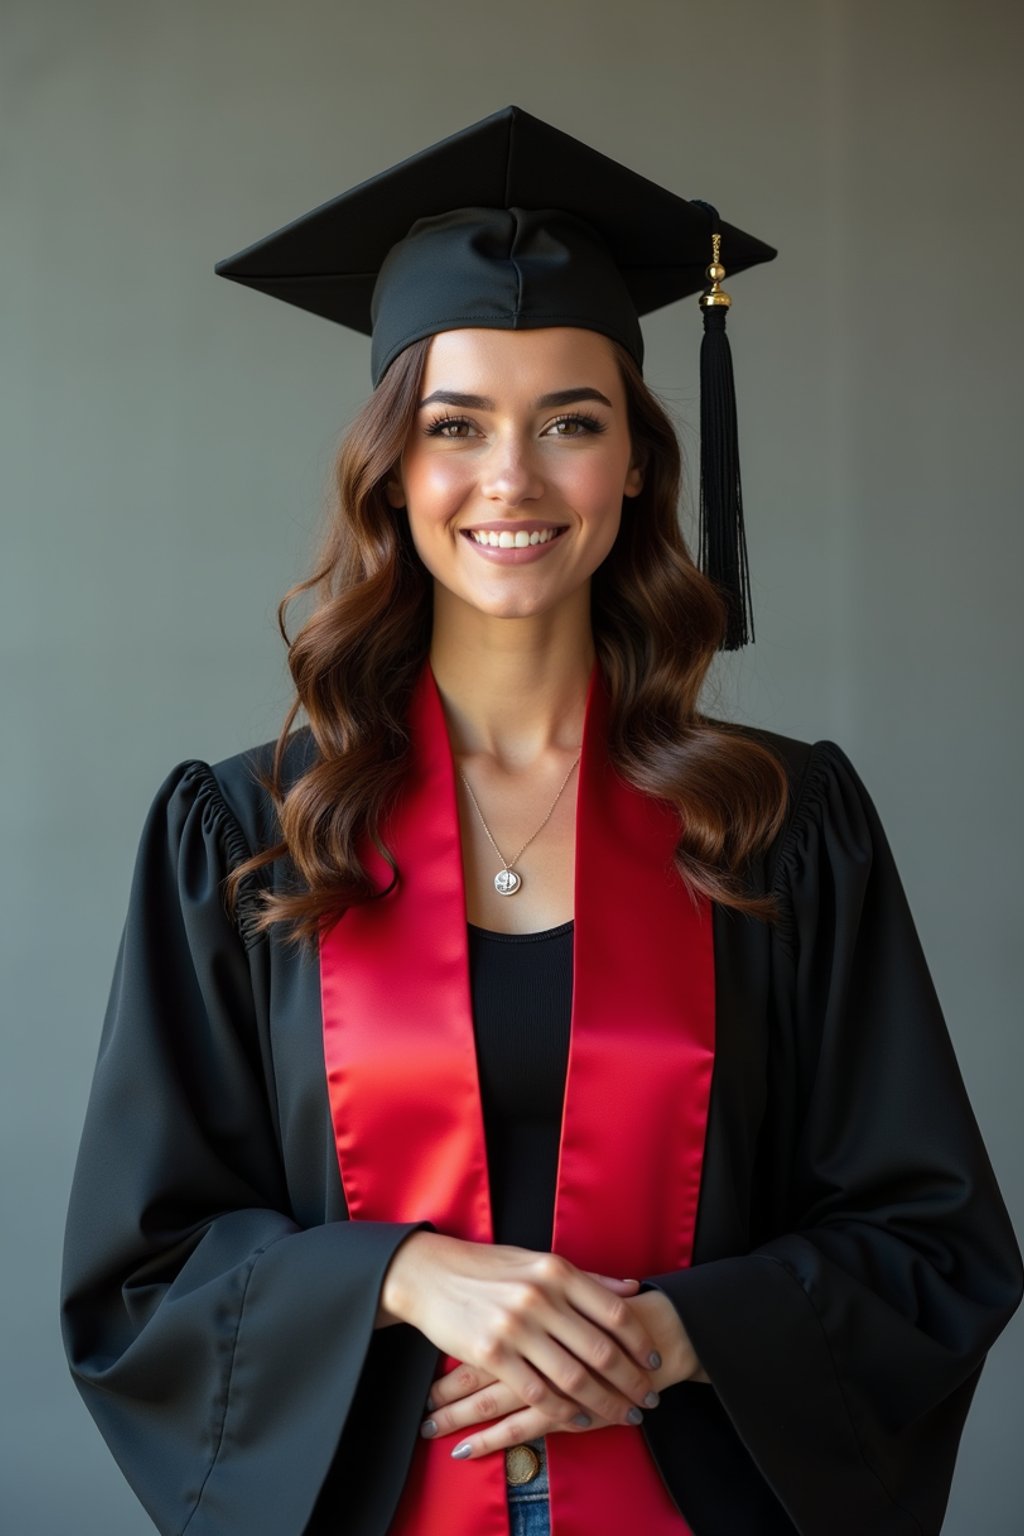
<point>507,881</point>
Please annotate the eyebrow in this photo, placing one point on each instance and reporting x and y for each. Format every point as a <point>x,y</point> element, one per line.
<point>485,403</point>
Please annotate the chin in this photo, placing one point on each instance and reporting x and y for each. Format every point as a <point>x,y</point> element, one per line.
<point>506,604</point>
<point>512,610</point>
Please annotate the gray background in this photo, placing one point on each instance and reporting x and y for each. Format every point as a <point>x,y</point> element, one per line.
<point>167,441</point>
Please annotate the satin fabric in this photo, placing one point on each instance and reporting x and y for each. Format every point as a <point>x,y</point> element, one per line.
<point>405,1098</point>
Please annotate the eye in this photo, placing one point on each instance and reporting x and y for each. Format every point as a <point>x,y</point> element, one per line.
<point>586,424</point>
<point>439,427</point>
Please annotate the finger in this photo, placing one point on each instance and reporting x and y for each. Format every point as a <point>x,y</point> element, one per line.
<point>518,1427</point>
<point>610,1313</point>
<point>623,1287</point>
<point>506,1355</point>
<point>457,1383</point>
<point>491,1402</point>
<point>601,1331</point>
<point>592,1373</point>
<point>557,1361</point>
<point>510,1370</point>
<point>541,1371</point>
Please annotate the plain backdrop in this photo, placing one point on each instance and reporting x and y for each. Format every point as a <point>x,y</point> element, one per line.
<point>167,440</point>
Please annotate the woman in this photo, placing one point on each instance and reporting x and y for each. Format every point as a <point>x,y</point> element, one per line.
<point>523,1103</point>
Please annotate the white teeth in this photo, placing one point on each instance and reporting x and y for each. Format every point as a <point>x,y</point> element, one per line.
<point>518,540</point>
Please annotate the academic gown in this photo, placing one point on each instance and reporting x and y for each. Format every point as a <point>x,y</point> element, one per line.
<point>852,1259</point>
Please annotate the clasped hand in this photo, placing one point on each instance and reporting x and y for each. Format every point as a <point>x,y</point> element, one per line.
<point>545,1347</point>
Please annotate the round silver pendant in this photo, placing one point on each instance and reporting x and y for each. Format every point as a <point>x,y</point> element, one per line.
<point>507,882</point>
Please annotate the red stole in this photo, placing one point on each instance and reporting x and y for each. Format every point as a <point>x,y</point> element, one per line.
<point>405,1098</point>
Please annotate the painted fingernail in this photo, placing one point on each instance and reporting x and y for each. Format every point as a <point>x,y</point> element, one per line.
<point>582,1419</point>
<point>653,1360</point>
<point>428,1430</point>
<point>652,1400</point>
<point>634,1416</point>
<point>431,1405</point>
<point>462,1450</point>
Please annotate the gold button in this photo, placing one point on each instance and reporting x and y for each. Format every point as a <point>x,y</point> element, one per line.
<point>521,1464</point>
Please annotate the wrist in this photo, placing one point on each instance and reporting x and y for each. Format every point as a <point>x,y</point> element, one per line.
<point>678,1358</point>
<point>403,1279</point>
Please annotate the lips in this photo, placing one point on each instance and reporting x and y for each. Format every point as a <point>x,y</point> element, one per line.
<point>515,544</point>
<point>512,538</point>
<point>513,525</point>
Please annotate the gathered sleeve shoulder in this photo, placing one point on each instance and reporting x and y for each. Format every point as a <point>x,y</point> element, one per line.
<point>217,1343</point>
<point>846,1347</point>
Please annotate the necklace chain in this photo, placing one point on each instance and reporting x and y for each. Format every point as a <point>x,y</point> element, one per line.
<point>508,881</point>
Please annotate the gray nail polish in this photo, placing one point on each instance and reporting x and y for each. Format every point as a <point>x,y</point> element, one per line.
<point>462,1451</point>
<point>431,1405</point>
<point>582,1419</point>
<point>654,1360</point>
<point>652,1400</point>
<point>428,1430</point>
<point>634,1416</point>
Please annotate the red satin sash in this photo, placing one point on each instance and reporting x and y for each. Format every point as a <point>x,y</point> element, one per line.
<point>405,1098</point>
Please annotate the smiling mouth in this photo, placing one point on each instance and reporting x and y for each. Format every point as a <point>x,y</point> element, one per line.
<point>521,539</point>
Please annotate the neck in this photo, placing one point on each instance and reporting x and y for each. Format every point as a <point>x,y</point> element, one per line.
<point>514,688</point>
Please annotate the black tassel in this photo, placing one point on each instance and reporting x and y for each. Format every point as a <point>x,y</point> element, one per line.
<point>723,546</point>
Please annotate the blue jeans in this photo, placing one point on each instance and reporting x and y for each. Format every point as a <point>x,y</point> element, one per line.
<point>528,1507</point>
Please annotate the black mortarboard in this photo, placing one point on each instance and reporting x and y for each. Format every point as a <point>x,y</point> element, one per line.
<point>511,224</point>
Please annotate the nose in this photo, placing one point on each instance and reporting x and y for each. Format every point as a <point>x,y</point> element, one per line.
<point>510,473</point>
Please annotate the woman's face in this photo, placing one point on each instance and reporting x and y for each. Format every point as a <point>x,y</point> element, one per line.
<point>521,439</point>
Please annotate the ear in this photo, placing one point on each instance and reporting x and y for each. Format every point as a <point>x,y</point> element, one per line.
<point>395,492</point>
<point>634,481</point>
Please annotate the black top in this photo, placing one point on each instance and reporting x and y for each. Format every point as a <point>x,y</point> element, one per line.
<point>522,1003</point>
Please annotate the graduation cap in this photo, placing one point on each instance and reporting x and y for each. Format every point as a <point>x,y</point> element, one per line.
<point>512,224</point>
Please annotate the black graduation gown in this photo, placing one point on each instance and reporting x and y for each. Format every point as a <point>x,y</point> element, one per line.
<point>853,1259</point>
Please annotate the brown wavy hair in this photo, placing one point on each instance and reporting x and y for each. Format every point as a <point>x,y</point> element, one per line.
<point>657,624</point>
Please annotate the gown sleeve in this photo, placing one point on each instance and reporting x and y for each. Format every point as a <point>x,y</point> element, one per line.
<point>846,1347</point>
<point>216,1343</point>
